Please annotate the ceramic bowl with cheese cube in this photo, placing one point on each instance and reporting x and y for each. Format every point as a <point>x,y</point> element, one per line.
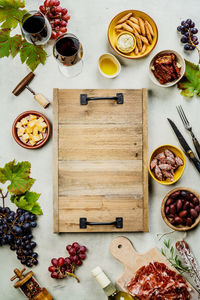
<point>31,129</point>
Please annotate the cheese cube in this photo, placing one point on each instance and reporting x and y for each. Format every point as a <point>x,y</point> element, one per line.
<point>24,121</point>
<point>36,138</point>
<point>32,123</point>
<point>20,131</point>
<point>18,125</point>
<point>35,131</point>
<point>28,130</point>
<point>33,117</point>
<point>25,137</point>
<point>43,124</point>
<point>40,120</point>
<point>32,142</point>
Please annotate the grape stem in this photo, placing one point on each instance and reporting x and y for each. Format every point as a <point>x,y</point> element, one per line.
<point>3,197</point>
<point>192,43</point>
<point>73,275</point>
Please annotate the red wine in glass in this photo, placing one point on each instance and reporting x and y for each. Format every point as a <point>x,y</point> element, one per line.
<point>68,51</point>
<point>36,28</point>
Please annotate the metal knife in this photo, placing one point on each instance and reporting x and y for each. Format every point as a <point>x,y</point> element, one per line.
<point>185,146</point>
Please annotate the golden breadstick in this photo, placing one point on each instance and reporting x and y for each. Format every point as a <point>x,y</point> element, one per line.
<point>134,20</point>
<point>144,39</point>
<point>150,28</point>
<point>119,30</point>
<point>123,19</point>
<point>148,33</point>
<point>139,42</point>
<point>133,25</point>
<point>127,27</point>
<point>143,48</point>
<point>138,39</point>
<point>118,26</point>
<point>136,50</point>
<point>141,23</point>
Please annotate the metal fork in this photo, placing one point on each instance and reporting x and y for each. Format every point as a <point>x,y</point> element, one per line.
<point>188,126</point>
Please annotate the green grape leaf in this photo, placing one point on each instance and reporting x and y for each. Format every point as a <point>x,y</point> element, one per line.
<point>33,55</point>
<point>37,209</point>
<point>190,83</point>
<point>27,202</point>
<point>9,45</point>
<point>11,13</point>
<point>18,175</point>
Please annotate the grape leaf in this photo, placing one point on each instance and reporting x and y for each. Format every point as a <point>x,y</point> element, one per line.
<point>9,45</point>
<point>18,175</point>
<point>33,55</point>
<point>10,12</point>
<point>190,83</point>
<point>28,202</point>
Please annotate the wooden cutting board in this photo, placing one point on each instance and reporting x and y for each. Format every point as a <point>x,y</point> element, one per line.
<point>122,249</point>
<point>100,161</point>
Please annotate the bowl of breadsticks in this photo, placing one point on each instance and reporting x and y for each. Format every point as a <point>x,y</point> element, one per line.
<point>133,23</point>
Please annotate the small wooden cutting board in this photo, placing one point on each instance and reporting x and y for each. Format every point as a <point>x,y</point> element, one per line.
<point>122,249</point>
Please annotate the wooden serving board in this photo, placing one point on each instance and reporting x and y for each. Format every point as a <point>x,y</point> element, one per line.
<point>100,161</point>
<point>122,249</point>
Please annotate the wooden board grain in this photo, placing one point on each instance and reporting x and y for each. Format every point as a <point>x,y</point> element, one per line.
<point>122,249</point>
<point>100,161</point>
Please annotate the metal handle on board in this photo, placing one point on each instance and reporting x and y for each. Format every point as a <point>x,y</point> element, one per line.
<point>118,223</point>
<point>84,98</point>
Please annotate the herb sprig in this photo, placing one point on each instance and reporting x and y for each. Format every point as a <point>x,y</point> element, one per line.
<point>169,253</point>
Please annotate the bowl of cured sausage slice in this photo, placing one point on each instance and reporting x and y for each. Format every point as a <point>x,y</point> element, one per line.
<point>166,164</point>
<point>167,68</point>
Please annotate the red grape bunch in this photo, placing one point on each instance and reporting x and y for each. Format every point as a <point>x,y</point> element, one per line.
<point>56,15</point>
<point>63,267</point>
<point>188,30</point>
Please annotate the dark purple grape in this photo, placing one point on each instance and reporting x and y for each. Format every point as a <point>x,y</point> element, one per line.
<point>194,30</point>
<point>23,261</point>
<point>35,262</point>
<point>194,38</point>
<point>196,42</point>
<point>187,26</point>
<point>192,24</point>
<point>188,21</point>
<point>28,264</point>
<point>179,28</point>
<point>183,23</point>
<point>33,244</point>
<point>34,255</point>
<point>186,47</point>
<point>184,40</point>
<point>183,31</point>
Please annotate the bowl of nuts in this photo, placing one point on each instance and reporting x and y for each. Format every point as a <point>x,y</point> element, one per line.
<point>180,209</point>
<point>166,164</point>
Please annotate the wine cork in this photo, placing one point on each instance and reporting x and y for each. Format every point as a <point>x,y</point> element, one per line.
<point>41,100</point>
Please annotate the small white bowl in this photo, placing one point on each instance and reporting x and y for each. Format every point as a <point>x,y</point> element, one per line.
<point>114,59</point>
<point>180,60</point>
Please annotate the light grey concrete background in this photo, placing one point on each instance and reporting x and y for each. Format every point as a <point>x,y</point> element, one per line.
<point>89,21</point>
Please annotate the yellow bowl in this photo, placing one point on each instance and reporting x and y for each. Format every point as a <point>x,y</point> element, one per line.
<point>113,35</point>
<point>178,172</point>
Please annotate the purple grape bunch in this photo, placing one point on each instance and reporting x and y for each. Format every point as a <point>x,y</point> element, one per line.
<point>188,31</point>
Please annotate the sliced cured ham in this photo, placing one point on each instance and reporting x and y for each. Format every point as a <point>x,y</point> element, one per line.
<point>157,282</point>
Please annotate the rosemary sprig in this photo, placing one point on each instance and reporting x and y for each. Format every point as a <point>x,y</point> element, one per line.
<point>169,253</point>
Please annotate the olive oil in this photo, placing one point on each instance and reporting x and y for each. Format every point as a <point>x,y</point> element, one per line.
<point>108,66</point>
<point>109,289</point>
